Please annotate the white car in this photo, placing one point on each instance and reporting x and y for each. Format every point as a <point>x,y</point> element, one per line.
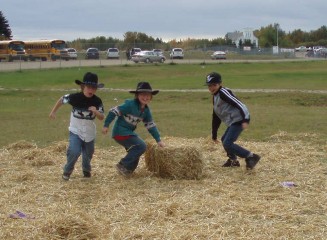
<point>218,55</point>
<point>301,49</point>
<point>72,53</point>
<point>176,53</point>
<point>148,57</point>
<point>158,51</point>
<point>113,53</point>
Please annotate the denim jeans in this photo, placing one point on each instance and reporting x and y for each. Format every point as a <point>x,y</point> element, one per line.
<point>230,136</point>
<point>135,147</point>
<point>75,148</point>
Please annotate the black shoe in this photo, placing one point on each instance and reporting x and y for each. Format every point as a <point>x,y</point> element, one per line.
<point>231,163</point>
<point>252,161</point>
<point>122,170</point>
<point>65,176</point>
<point>86,174</point>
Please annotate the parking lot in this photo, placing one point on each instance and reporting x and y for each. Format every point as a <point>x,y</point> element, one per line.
<point>21,65</point>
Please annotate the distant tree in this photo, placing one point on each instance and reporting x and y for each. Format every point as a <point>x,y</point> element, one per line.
<point>320,34</point>
<point>268,35</point>
<point>139,39</point>
<point>248,43</point>
<point>5,31</point>
<point>297,36</point>
<point>240,43</point>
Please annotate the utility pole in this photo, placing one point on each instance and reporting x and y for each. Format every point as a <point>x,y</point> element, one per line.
<point>277,27</point>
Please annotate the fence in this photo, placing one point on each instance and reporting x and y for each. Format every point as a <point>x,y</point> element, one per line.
<point>201,55</point>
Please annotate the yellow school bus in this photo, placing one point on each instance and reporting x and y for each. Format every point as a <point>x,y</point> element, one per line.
<point>46,50</point>
<point>12,50</point>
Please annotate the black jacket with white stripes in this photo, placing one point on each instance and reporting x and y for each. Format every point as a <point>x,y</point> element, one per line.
<point>227,108</point>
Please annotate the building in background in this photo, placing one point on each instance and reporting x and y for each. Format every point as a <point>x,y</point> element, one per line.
<point>244,36</point>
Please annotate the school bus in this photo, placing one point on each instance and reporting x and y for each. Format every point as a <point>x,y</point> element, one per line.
<point>12,50</point>
<point>46,50</point>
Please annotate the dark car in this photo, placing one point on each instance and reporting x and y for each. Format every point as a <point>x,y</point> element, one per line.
<point>92,53</point>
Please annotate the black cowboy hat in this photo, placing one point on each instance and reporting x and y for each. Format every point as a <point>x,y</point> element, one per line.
<point>144,87</point>
<point>90,79</point>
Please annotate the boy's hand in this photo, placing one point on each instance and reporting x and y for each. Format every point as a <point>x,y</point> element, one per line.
<point>93,109</point>
<point>161,144</point>
<point>105,130</point>
<point>52,115</point>
<point>245,125</point>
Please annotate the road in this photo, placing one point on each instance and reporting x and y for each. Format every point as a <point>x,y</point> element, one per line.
<point>20,65</point>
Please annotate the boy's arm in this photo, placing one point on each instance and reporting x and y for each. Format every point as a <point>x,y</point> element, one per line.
<point>230,98</point>
<point>215,125</point>
<point>113,112</point>
<point>58,104</point>
<point>150,125</point>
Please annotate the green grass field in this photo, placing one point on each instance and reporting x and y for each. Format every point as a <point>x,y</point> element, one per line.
<point>28,96</point>
<point>288,130</point>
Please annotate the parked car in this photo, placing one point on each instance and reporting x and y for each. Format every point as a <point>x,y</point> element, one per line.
<point>112,53</point>
<point>218,55</point>
<point>301,49</point>
<point>92,53</point>
<point>148,57</point>
<point>316,48</point>
<point>157,51</point>
<point>176,53</point>
<point>72,53</point>
<point>321,52</point>
<point>135,50</point>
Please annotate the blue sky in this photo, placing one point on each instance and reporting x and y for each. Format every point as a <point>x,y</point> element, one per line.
<point>166,19</point>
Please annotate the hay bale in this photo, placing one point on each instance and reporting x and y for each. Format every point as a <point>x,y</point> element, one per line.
<point>179,159</point>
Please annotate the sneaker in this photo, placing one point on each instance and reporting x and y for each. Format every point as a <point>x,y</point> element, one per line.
<point>231,163</point>
<point>252,161</point>
<point>65,176</point>
<point>86,174</point>
<point>122,170</point>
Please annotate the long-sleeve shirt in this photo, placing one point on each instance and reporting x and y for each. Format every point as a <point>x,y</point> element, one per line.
<point>128,116</point>
<point>227,108</point>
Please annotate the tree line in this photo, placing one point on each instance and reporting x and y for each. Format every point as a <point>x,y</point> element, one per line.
<point>271,35</point>
<point>267,37</point>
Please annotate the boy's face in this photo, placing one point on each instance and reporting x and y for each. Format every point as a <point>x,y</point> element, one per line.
<point>213,88</point>
<point>89,91</point>
<point>144,97</point>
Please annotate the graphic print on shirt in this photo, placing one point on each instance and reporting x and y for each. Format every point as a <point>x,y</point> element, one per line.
<point>83,114</point>
<point>80,112</point>
<point>133,120</point>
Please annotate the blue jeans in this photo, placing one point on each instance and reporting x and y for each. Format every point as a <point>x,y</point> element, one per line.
<point>135,147</point>
<point>75,148</point>
<point>230,136</point>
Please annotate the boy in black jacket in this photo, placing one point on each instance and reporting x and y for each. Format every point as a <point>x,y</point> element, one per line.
<point>230,110</point>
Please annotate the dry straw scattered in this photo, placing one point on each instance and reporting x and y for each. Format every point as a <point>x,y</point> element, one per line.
<point>220,204</point>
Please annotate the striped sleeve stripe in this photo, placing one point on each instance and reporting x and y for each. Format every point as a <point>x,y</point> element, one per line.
<point>115,110</point>
<point>149,125</point>
<point>235,100</point>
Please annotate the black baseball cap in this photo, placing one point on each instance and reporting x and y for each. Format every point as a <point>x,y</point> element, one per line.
<point>213,78</point>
